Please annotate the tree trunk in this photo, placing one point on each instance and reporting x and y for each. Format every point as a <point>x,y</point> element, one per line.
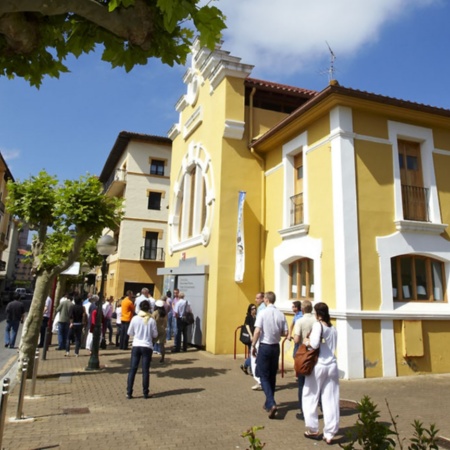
<point>33,322</point>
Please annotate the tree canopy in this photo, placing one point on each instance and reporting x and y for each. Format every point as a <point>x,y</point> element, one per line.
<point>36,36</point>
<point>68,218</point>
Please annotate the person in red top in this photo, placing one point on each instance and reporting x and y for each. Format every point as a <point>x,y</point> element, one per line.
<point>127,315</point>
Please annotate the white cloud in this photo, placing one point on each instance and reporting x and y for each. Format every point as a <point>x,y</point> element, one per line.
<point>291,35</point>
<point>10,155</point>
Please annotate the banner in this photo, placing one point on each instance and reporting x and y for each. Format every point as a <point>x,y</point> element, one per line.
<point>240,246</point>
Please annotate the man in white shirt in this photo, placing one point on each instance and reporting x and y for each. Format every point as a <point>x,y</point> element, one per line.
<point>270,325</point>
<point>145,295</point>
<point>143,328</point>
<point>260,305</point>
<point>179,309</point>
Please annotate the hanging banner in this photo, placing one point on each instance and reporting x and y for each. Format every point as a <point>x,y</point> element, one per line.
<point>240,246</point>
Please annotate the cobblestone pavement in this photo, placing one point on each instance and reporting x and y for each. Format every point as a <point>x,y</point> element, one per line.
<point>201,401</point>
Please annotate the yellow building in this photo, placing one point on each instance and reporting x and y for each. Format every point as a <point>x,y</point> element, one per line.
<point>137,171</point>
<point>347,201</point>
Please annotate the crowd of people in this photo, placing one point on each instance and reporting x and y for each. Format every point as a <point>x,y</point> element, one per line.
<point>310,326</point>
<point>149,322</point>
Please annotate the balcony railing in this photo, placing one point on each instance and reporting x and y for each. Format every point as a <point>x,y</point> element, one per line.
<point>415,203</point>
<point>297,209</point>
<point>119,175</point>
<point>152,253</point>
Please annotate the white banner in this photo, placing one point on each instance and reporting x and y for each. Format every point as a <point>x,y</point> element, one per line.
<point>240,246</point>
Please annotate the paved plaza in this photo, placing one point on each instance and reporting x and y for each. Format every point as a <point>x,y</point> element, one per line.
<point>201,401</point>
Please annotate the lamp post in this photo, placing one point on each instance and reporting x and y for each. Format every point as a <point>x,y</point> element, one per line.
<point>106,246</point>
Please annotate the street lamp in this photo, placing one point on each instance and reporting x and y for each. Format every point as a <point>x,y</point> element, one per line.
<point>106,246</point>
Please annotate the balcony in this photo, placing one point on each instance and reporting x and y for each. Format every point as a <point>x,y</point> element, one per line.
<point>296,209</point>
<point>152,253</point>
<point>415,203</point>
<point>116,183</point>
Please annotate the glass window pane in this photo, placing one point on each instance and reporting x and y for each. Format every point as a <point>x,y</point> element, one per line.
<point>436,274</point>
<point>412,162</point>
<point>421,279</point>
<point>293,274</point>
<point>303,278</point>
<point>395,293</point>
<point>406,269</point>
<point>299,173</point>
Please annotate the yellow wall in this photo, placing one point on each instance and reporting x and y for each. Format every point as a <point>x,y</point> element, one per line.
<point>321,215</point>
<point>373,358</point>
<point>441,167</point>
<point>436,335</point>
<point>369,124</point>
<point>374,180</point>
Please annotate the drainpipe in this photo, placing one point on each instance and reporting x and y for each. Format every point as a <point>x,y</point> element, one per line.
<point>263,184</point>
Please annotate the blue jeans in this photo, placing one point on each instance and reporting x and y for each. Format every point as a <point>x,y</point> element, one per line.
<point>63,336</point>
<point>267,364</point>
<point>171,326</point>
<point>77,331</point>
<point>136,354</point>
<point>182,329</point>
<point>12,326</point>
<point>124,338</point>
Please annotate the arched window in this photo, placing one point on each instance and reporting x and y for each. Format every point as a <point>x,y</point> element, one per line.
<point>417,277</point>
<point>301,279</point>
<point>193,201</point>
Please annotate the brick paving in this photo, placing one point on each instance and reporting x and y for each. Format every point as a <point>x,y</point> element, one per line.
<point>201,402</point>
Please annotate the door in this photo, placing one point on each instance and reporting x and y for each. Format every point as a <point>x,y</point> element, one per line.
<point>151,245</point>
<point>413,193</point>
<point>297,199</point>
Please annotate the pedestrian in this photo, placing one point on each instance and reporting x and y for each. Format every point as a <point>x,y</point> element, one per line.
<point>77,322</point>
<point>260,306</point>
<point>160,316</point>
<point>270,325</point>
<point>15,313</point>
<point>180,309</point>
<point>45,320</point>
<point>323,382</point>
<point>143,329</point>
<point>171,321</point>
<point>118,321</point>
<point>127,315</point>
<point>297,310</point>
<point>249,325</point>
<point>64,307</point>
<point>302,328</point>
<point>108,310</point>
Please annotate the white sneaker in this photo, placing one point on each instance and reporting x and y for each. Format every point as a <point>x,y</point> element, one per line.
<point>257,387</point>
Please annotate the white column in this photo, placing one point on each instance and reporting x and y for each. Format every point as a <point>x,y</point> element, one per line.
<point>347,264</point>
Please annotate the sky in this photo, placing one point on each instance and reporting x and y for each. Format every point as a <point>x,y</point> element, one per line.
<point>398,48</point>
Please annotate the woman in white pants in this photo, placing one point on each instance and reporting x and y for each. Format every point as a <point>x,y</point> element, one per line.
<point>323,382</point>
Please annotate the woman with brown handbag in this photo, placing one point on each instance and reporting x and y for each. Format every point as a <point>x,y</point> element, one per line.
<point>323,382</point>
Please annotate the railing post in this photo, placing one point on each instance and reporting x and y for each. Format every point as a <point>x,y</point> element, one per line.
<point>23,379</point>
<point>35,371</point>
<point>4,404</point>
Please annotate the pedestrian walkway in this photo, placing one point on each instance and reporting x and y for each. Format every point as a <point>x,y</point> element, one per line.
<point>201,402</point>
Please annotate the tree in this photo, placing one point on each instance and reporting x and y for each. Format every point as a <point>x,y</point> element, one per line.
<point>37,35</point>
<point>64,217</point>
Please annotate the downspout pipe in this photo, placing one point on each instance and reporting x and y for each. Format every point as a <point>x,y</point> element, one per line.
<point>263,189</point>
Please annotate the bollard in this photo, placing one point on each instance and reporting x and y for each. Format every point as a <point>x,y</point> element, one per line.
<point>35,371</point>
<point>19,413</point>
<point>5,393</point>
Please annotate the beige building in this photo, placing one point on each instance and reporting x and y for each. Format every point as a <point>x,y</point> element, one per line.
<point>137,171</point>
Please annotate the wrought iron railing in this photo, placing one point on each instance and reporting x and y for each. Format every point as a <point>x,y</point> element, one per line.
<point>297,209</point>
<point>415,203</point>
<point>152,253</point>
